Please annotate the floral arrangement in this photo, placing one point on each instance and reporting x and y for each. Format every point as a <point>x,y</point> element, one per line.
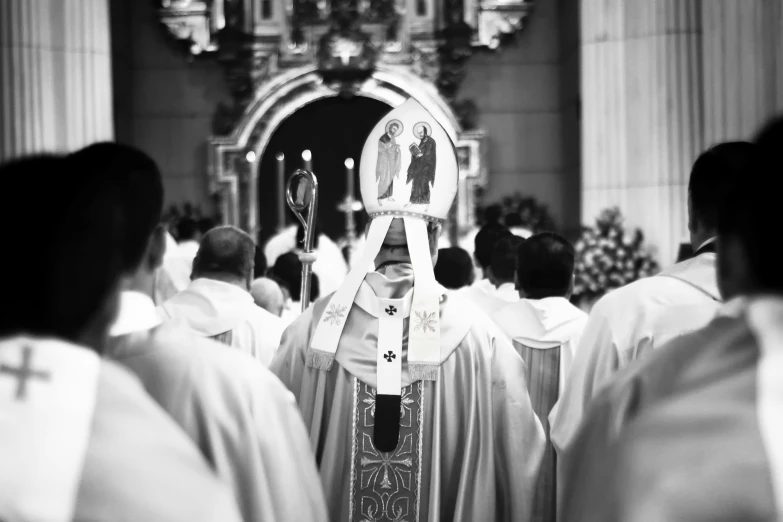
<point>608,256</point>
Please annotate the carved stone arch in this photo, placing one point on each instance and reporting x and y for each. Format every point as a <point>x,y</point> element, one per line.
<point>234,159</point>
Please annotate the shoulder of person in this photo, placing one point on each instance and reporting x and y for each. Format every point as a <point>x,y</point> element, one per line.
<point>208,360</point>
<point>139,459</point>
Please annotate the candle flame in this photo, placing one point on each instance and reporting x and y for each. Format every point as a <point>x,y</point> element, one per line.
<point>250,156</point>
<point>307,155</point>
<point>349,163</point>
<point>280,156</point>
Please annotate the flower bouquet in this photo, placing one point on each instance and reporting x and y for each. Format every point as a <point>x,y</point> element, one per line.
<point>607,257</point>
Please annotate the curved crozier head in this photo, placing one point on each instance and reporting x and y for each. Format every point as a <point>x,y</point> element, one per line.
<point>409,166</point>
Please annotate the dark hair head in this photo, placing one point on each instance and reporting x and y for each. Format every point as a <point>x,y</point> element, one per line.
<point>750,214</point>
<point>486,239</point>
<point>64,258</point>
<point>140,187</point>
<point>513,219</point>
<point>545,266</point>
<point>226,251</point>
<point>504,258</point>
<point>492,214</point>
<point>712,175</point>
<point>454,268</point>
<point>288,271</point>
<point>187,229</point>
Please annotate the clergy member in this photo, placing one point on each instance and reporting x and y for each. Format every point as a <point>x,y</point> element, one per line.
<point>417,409</point>
<point>217,304</point>
<point>545,329</point>
<point>693,433</point>
<point>79,437</point>
<point>631,321</point>
<point>483,246</point>
<point>268,295</point>
<point>501,276</point>
<point>244,421</point>
<point>178,264</point>
<point>330,265</point>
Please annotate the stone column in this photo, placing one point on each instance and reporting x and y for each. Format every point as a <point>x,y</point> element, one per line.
<point>642,113</point>
<point>55,75</point>
<point>743,66</point>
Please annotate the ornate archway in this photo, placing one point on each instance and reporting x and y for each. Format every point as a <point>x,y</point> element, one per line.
<point>234,159</point>
<point>281,55</point>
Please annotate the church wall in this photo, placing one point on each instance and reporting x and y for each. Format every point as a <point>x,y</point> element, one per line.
<point>170,105</point>
<point>526,94</point>
<point>527,99</point>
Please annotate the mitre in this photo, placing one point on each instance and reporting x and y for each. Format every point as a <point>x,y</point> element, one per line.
<point>408,170</point>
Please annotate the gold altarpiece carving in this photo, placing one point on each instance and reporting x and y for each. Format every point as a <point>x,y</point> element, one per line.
<point>280,55</point>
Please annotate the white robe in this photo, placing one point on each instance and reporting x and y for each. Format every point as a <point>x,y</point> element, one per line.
<point>471,454</point>
<point>629,323</point>
<point>242,418</point>
<point>488,298</point>
<point>227,313</point>
<point>330,265</point>
<point>135,464</point>
<point>693,432</point>
<point>545,332</point>
<point>178,263</point>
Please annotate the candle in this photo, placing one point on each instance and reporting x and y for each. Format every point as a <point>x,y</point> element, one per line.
<point>349,184</point>
<point>280,191</point>
<point>307,156</point>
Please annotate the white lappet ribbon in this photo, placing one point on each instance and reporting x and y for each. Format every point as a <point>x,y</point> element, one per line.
<point>330,327</point>
<point>424,327</point>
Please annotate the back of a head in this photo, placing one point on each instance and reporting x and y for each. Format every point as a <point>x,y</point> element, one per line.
<point>492,215</point>
<point>188,229</point>
<point>268,295</point>
<point>504,258</point>
<point>454,268</point>
<point>712,176</point>
<point>750,214</point>
<point>288,269</point>
<point>486,240</point>
<point>545,266</point>
<point>225,252</point>
<point>141,187</point>
<point>513,220</point>
<point>64,259</point>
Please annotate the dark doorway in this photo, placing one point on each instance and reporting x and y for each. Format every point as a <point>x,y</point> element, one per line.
<point>333,129</point>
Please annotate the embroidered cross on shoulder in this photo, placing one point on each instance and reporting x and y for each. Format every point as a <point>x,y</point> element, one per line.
<point>391,310</point>
<point>425,321</point>
<point>24,372</point>
<point>335,314</point>
<point>389,356</point>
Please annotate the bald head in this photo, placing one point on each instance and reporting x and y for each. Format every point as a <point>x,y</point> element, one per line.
<point>268,295</point>
<point>227,254</point>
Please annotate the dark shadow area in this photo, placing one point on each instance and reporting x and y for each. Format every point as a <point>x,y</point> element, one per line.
<point>333,129</point>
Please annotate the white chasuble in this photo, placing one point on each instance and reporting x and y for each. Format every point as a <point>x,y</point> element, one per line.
<point>47,401</point>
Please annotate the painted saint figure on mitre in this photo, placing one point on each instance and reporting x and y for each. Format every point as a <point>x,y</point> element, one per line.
<point>421,170</point>
<point>416,409</point>
<point>389,161</point>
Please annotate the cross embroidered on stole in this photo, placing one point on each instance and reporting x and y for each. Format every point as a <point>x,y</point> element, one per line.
<point>385,487</point>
